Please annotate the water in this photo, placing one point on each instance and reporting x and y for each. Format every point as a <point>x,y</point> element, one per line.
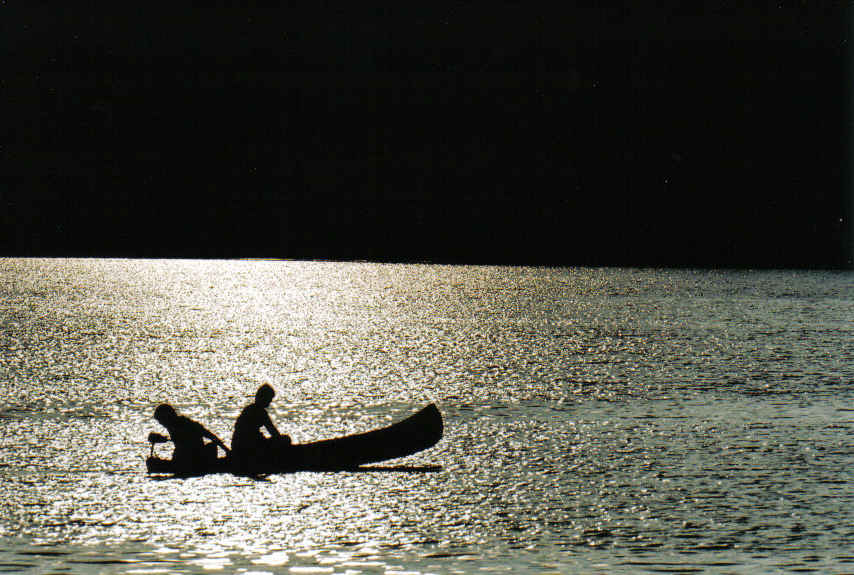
<point>597,420</point>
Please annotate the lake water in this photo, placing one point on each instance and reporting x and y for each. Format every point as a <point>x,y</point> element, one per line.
<point>597,420</point>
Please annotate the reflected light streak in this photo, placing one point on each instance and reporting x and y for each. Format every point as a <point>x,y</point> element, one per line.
<point>586,410</point>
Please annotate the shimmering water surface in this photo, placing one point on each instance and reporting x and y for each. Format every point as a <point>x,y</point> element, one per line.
<point>597,420</point>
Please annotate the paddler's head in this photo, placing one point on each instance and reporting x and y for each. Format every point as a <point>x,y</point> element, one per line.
<point>264,396</point>
<point>165,414</point>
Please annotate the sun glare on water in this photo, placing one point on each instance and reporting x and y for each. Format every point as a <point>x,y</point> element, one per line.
<point>593,417</point>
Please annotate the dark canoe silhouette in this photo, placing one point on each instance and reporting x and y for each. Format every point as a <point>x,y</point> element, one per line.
<point>411,435</point>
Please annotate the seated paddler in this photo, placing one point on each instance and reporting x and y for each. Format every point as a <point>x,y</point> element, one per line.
<point>189,438</point>
<point>249,446</point>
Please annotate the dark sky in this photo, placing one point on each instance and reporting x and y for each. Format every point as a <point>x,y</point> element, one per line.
<point>708,135</point>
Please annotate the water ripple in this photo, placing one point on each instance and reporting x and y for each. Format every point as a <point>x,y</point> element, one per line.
<point>596,420</point>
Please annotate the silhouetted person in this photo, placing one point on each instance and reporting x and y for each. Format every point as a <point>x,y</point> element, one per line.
<point>248,444</point>
<point>188,437</point>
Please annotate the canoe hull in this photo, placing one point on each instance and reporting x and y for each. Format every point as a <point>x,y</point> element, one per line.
<point>411,435</point>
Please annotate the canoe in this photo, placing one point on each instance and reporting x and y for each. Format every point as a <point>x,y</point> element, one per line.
<point>417,432</point>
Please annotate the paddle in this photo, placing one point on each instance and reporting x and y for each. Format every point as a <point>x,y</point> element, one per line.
<point>156,438</point>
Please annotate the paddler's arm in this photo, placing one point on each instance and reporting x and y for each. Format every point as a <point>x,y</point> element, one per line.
<point>268,425</point>
<point>155,437</point>
<point>214,438</point>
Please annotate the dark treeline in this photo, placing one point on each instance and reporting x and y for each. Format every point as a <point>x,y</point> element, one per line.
<point>623,135</point>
